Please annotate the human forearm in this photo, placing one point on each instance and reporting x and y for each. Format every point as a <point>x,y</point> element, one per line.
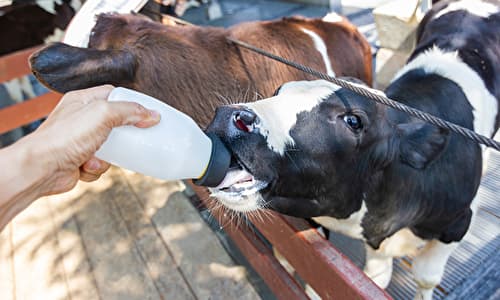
<point>61,151</point>
<point>26,175</point>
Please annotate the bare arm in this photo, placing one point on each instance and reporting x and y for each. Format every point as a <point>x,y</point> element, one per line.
<point>53,158</point>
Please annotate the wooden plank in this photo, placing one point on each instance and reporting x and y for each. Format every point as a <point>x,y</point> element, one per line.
<point>162,268</point>
<point>328,271</point>
<point>79,277</point>
<point>260,257</point>
<point>331,274</point>
<point>116,262</point>
<point>37,265</point>
<point>16,64</point>
<point>7,286</point>
<point>26,112</point>
<point>201,258</point>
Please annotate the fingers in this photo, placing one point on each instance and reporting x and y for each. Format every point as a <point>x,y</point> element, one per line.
<point>130,113</point>
<point>95,166</point>
<point>118,113</point>
<point>153,119</point>
<point>88,177</point>
<point>98,93</point>
<point>92,169</point>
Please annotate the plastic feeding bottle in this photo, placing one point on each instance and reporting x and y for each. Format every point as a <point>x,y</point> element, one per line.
<point>175,148</point>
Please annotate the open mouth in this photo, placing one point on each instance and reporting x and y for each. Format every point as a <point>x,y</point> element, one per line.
<point>239,182</point>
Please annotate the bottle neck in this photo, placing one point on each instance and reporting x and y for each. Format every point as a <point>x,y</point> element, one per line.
<point>218,165</point>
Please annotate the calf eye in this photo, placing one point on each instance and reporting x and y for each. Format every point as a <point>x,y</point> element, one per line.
<point>353,121</point>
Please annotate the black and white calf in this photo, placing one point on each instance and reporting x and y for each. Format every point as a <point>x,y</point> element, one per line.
<point>405,187</point>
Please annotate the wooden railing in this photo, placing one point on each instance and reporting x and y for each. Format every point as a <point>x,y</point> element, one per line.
<point>13,66</point>
<point>330,273</point>
<point>315,260</point>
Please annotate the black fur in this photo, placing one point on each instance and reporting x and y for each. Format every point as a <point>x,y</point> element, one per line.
<point>476,39</point>
<point>410,174</point>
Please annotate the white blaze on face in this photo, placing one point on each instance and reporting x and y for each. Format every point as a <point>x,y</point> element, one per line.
<point>475,7</point>
<point>450,66</point>
<point>278,114</point>
<point>320,45</point>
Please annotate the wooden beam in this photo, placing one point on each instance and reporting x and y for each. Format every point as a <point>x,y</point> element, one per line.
<point>331,274</point>
<point>16,64</point>
<point>26,112</point>
<point>260,257</point>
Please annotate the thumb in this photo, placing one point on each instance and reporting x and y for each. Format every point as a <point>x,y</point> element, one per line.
<point>131,113</point>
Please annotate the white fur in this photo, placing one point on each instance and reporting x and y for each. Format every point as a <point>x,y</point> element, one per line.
<point>379,262</point>
<point>378,267</point>
<point>475,7</point>
<point>402,243</point>
<point>321,47</point>
<point>241,203</point>
<point>428,267</point>
<point>350,226</point>
<point>450,66</point>
<point>294,97</point>
<point>57,36</point>
<point>333,17</point>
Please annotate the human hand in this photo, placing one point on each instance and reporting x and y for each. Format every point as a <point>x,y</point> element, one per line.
<point>76,129</point>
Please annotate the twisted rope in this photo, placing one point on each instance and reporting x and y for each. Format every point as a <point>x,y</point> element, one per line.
<point>367,92</point>
<point>378,97</point>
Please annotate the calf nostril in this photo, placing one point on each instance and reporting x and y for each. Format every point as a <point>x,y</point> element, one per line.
<point>244,120</point>
<point>248,117</point>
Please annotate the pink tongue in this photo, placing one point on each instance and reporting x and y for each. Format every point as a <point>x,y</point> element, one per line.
<point>233,177</point>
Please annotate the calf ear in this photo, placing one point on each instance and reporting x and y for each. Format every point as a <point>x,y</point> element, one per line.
<point>421,143</point>
<point>64,68</point>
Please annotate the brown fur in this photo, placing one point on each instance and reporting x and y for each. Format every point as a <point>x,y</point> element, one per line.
<point>195,69</point>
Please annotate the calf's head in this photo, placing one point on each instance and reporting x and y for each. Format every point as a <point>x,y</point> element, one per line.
<point>315,148</point>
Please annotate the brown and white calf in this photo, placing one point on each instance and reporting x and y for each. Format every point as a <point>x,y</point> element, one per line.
<point>405,187</point>
<point>195,68</point>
